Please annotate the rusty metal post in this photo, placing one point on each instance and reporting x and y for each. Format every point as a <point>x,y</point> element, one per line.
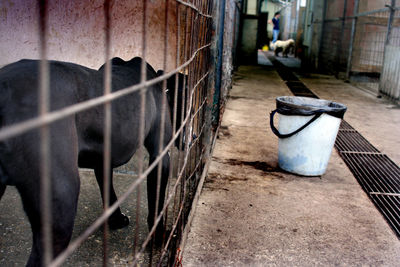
<point>44,109</point>
<point>388,35</point>
<point>107,125</point>
<point>339,50</point>
<point>390,21</point>
<point>218,76</point>
<point>322,31</point>
<point>353,33</point>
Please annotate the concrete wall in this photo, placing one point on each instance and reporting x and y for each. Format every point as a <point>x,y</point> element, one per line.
<point>229,45</point>
<point>252,7</point>
<point>288,22</point>
<point>307,27</point>
<point>317,33</point>
<point>76,31</point>
<point>334,9</point>
<point>249,39</point>
<point>368,5</point>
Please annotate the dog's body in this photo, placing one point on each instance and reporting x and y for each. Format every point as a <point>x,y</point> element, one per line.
<point>282,46</point>
<point>76,140</point>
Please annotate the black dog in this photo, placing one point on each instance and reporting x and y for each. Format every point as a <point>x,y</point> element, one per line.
<point>77,141</point>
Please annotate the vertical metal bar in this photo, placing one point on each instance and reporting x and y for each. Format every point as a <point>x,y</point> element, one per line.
<point>388,36</point>
<point>141,122</point>
<point>174,117</point>
<point>197,94</point>
<point>323,33</point>
<point>44,107</point>
<point>236,34</point>
<point>107,125</point>
<point>339,51</point>
<point>184,104</point>
<point>188,128</point>
<point>310,31</point>
<point>218,77</point>
<point>352,35</point>
<point>178,55</point>
<point>187,108</point>
<point>163,113</point>
<point>193,91</point>
<point>185,84</point>
<point>390,21</point>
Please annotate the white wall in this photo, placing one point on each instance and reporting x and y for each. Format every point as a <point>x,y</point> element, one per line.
<point>252,7</point>
<point>76,31</point>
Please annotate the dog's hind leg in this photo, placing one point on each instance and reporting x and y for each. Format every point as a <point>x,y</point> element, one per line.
<point>65,191</point>
<point>117,220</point>
<point>2,189</point>
<point>156,187</point>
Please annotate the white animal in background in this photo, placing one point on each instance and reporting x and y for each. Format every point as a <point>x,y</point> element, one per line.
<point>283,46</point>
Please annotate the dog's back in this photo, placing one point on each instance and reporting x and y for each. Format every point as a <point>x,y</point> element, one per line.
<point>19,101</point>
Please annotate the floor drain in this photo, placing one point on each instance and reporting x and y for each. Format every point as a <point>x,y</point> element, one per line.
<point>353,141</point>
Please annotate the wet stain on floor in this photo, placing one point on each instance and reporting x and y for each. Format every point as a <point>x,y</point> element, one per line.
<point>213,177</point>
<point>259,165</point>
<point>224,131</point>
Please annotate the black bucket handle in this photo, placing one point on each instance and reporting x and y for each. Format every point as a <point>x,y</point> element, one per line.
<point>277,133</point>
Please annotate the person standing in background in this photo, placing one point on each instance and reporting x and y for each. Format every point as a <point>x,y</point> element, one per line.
<point>275,30</point>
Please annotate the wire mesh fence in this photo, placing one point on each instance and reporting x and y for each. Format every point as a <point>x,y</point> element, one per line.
<point>68,116</point>
<point>357,34</point>
<point>330,45</point>
<point>369,43</point>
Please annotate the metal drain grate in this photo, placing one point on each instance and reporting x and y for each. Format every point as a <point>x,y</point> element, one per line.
<point>379,177</point>
<point>282,70</point>
<point>377,174</point>
<point>353,141</point>
<point>344,126</point>
<point>295,85</point>
<point>390,212</point>
<point>299,89</point>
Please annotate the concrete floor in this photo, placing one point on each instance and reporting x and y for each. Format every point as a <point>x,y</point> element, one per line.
<point>252,214</point>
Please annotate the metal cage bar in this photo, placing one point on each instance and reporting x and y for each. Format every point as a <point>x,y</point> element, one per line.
<point>44,107</point>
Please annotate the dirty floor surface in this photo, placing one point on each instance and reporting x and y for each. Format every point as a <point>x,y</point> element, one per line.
<point>252,214</point>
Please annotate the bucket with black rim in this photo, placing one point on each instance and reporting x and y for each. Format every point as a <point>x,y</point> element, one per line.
<point>307,131</point>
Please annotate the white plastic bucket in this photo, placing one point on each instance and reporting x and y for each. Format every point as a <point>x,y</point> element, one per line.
<point>307,132</point>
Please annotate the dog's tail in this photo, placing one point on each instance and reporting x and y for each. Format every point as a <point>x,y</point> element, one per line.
<point>3,173</point>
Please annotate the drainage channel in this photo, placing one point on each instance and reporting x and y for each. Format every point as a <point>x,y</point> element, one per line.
<point>377,174</point>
